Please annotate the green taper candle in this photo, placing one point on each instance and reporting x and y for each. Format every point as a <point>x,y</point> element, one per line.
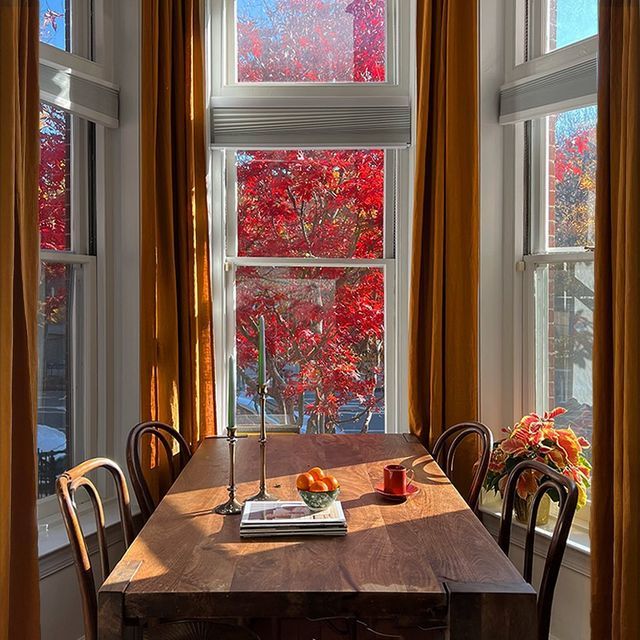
<point>262,354</point>
<point>232,393</point>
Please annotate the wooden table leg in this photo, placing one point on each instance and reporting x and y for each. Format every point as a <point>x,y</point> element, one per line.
<point>491,612</point>
<point>111,625</point>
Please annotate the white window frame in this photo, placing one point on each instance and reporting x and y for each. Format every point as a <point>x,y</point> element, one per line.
<point>521,261</point>
<point>87,424</point>
<point>398,88</point>
<point>222,81</point>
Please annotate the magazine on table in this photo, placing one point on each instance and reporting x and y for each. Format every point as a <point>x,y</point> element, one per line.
<point>268,519</point>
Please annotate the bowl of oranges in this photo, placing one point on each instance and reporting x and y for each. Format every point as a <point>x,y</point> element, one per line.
<point>317,490</point>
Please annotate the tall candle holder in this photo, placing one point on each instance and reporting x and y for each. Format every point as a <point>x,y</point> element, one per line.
<point>263,495</point>
<point>231,506</point>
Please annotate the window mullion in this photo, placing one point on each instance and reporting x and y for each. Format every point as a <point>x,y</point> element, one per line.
<point>346,263</point>
<point>558,257</point>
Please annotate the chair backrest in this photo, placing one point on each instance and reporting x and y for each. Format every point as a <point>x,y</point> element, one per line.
<point>166,435</point>
<point>444,452</point>
<point>567,493</point>
<point>67,485</point>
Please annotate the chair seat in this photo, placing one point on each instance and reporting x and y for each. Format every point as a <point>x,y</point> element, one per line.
<point>197,631</point>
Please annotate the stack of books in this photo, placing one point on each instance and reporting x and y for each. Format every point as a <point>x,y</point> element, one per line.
<point>271,519</point>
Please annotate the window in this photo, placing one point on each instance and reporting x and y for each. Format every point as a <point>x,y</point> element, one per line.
<point>564,295</point>
<point>77,102</point>
<point>326,41</point>
<point>548,103</point>
<point>315,191</point>
<point>67,25</point>
<point>569,21</point>
<point>326,324</point>
<point>55,23</point>
<point>66,274</point>
<point>571,175</point>
<point>561,240</point>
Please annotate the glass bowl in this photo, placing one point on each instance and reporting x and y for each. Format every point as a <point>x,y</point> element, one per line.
<point>318,500</point>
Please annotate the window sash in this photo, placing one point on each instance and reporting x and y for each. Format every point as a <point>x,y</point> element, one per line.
<point>390,360</point>
<point>536,236</point>
<point>221,41</point>
<point>392,177</point>
<point>230,67</point>
<point>530,356</point>
<point>83,314</point>
<point>82,367</point>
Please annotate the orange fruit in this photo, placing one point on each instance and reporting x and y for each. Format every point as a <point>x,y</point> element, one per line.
<point>317,473</point>
<point>304,481</point>
<point>331,482</point>
<point>319,485</point>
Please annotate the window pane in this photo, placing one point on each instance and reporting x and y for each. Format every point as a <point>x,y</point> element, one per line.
<point>569,21</point>
<point>54,191</point>
<point>55,390</point>
<point>325,343</point>
<point>564,343</point>
<point>321,41</point>
<point>572,178</point>
<point>55,23</point>
<point>326,204</point>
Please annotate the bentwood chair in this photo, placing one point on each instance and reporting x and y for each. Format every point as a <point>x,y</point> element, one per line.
<point>67,485</point>
<point>550,481</point>
<point>164,435</point>
<point>445,448</point>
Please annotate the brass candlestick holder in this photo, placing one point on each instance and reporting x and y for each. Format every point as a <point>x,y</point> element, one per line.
<point>231,506</point>
<point>263,495</point>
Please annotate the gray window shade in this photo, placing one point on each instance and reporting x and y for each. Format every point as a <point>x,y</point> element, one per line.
<point>569,88</point>
<point>94,100</point>
<point>290,123</point>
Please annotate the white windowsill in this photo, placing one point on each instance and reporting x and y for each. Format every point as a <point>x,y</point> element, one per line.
<point>577,555</point>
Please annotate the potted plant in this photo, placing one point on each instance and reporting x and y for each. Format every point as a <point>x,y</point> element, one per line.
<point>537,438</point>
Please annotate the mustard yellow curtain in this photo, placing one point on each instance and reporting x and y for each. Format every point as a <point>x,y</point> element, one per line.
<point>443,347</point>
<point>19,264</point>
<point>177,379</point>
<point>615,514</point>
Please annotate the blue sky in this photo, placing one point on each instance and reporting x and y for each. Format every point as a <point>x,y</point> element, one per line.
<point>577,19</point>
<point>50,36</point>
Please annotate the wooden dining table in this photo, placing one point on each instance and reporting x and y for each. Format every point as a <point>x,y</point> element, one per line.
<point>423,568</point>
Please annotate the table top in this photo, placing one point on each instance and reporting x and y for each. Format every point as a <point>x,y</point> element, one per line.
<point>193,561</point>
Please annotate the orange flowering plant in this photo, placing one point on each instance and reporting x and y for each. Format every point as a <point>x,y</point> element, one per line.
<point>537,438</point>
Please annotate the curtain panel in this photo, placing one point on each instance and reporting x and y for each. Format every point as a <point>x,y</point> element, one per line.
<point>615,512</point>
<point>443,347</point>
<point>176,339</point>
<point>19,266</point>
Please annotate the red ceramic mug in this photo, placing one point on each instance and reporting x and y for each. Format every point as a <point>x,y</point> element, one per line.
<point>396,479</point>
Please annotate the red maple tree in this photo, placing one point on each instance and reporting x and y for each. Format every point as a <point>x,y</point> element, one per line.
<point>325,334</point>
<point>311,40</point>
<point>53,207</point>
<point>575,187</point>
<point>53,177</point>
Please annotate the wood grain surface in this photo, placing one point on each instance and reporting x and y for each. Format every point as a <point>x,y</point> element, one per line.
<point>398,560</point>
